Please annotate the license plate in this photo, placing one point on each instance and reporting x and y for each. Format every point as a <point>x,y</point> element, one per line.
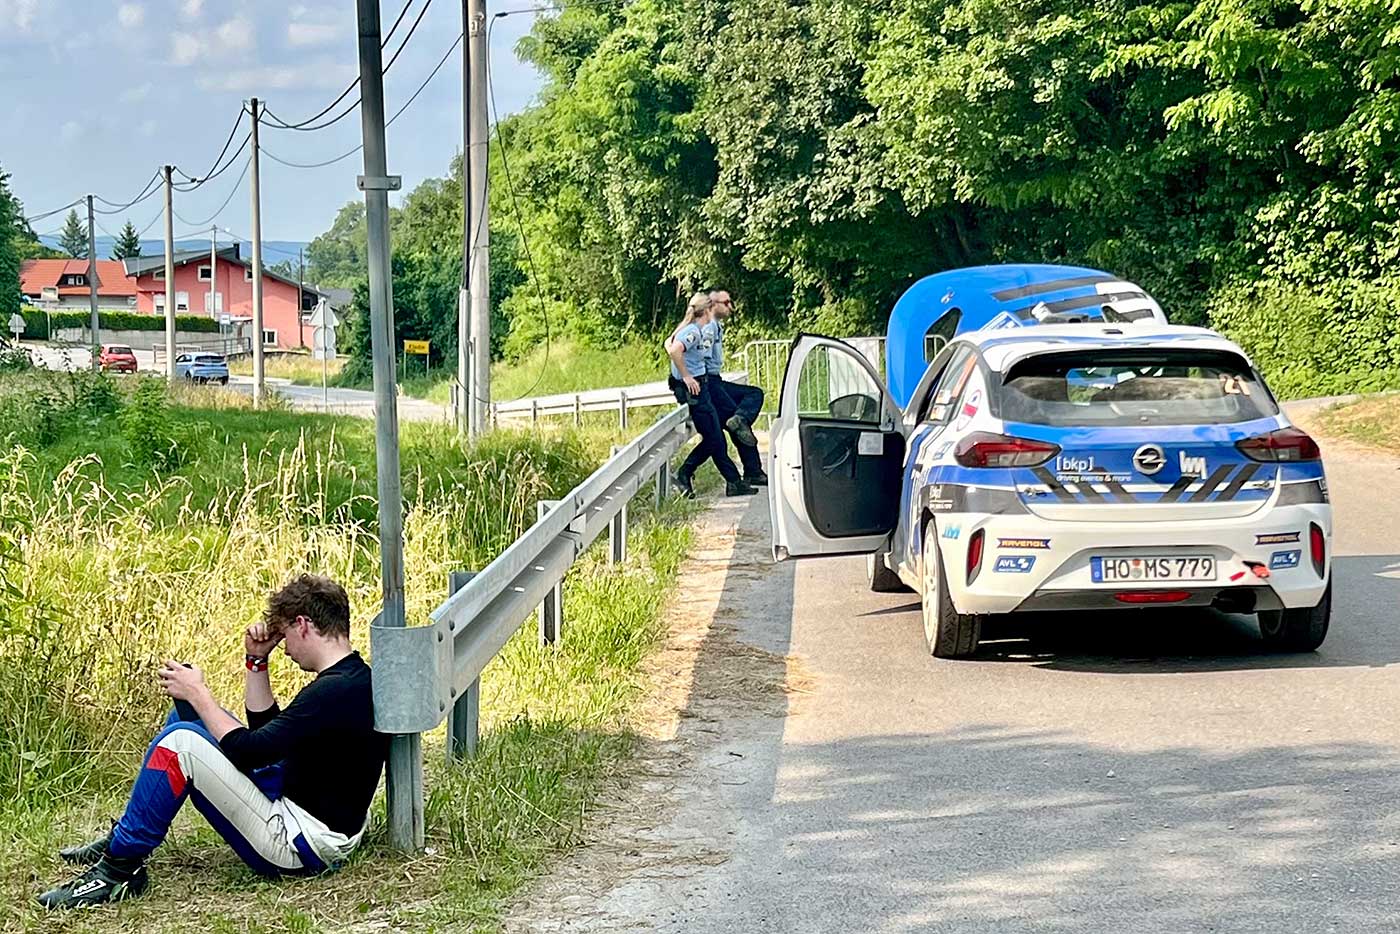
<point>1108,570</point>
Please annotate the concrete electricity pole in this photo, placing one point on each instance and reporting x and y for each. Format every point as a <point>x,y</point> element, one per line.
<point>257,267</point>
<point>462,400</point>
<point>214,273</point>
<point>92,285</point>
<point>169,279</point>
<point>480,276</point>
<point>405,780</point>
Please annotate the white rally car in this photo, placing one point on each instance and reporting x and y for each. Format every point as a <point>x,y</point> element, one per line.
<point>1060,467</point>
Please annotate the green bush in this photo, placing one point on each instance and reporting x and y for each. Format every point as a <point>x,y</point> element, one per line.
<point>145,423</point>
<point>1308,344</point>
<point>37,322</point>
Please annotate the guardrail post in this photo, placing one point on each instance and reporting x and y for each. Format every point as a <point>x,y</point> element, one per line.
<point>663,482</point>
<point>463,720</point>
<point>617,530</point>
<point>534,410</point>
<point>622,410</point>
<point>551,611</point>
<point>578,410</point>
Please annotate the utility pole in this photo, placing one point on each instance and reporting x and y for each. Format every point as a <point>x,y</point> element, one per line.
<point>405,779</point>
<point>480,277</point>
<point>92,285</point>
<point>257,268</point>
<point>169,279</point>
<point>214,274</point>
<point>301,285</point>
<point>462,401</point>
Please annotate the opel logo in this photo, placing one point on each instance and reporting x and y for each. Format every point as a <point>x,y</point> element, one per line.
<point>1149,459</point>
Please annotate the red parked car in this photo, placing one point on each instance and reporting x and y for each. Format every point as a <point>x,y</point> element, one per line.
<point>117,357</point>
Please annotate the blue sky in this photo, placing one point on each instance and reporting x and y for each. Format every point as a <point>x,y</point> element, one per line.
<point>95,95</point>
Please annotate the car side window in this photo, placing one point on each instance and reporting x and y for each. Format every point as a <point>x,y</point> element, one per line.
<point>183,358</point>
<point>950,387</point>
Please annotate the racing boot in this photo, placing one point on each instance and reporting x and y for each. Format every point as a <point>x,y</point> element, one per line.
<point>88,853</point>
<point>758,479</point>
<point>110,880</point>
<point>739,488</point>
<point>683,483</point>
<point>743,434</point>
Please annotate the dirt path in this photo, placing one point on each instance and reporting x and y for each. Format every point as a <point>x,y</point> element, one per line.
<point>675,812</point>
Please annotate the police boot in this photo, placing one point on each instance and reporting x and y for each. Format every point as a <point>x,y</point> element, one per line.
<point>739,488</point>
<point>682,480</point>
<point>743,434</point>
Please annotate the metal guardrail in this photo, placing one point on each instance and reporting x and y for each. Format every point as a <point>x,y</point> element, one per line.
<point>425,674</point>
<point>619,399</point>
<point>225,346</point>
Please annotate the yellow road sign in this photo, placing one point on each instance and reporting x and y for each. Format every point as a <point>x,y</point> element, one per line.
<point>418,347</point>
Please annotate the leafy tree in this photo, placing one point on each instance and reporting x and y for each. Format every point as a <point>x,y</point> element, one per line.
<point>74,239</point>
<point>128,242</point>
<point>12,224</point>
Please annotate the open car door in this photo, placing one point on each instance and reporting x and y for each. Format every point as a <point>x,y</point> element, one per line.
<point>837,452</point>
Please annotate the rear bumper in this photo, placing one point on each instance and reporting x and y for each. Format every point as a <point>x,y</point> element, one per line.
<point>1047,565</point>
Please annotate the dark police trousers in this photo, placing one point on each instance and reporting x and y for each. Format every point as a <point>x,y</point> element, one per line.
<point>732,399</point>
<point>712,445</point>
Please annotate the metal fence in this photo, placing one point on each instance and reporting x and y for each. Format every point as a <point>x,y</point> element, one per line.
<point>766,362</point>
<point>425,674</point>
<point>226,346</point>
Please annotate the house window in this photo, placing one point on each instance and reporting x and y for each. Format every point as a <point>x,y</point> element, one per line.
<point>182,302</point>
<point>160,303</point>
<point>269,337</point>
<point>159,274</point>
<point>205,273</point>
<point>247,273</point>
<point>75,280</point>
<point>131,301</point>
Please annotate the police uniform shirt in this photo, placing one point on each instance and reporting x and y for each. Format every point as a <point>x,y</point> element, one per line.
<point>715,332</point>
<point>695,347</point>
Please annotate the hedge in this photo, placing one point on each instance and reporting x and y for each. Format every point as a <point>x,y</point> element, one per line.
<point>36,322</point>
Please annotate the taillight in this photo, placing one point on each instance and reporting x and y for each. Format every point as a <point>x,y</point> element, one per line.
<point>1319,547</point>
<point>1138,597</point>
<point>1287,445</point>
<point>974,553</point>
<point>984,449</point>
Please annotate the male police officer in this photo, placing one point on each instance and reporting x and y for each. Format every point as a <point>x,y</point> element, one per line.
<point>738,405</point>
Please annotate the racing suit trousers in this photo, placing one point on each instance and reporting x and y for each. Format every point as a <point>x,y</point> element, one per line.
<point>712,445</point>
<point>746,402</point>
<point>271,834</point>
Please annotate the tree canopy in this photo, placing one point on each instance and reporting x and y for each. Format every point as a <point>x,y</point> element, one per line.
<point>74,238</point>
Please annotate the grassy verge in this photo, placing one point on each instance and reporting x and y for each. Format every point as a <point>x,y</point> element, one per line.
<point>299,368</point>
<point>113,563</point>
<point>1374,421</point>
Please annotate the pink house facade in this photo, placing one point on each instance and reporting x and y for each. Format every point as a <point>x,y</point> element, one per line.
<point>230,279</point>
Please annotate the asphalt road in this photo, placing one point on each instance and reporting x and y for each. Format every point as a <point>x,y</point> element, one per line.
<point>1137,772</point>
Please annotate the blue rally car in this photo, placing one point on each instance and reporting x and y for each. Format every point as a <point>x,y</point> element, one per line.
<point>1112,462</point>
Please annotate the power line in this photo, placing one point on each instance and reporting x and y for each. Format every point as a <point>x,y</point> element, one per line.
<point>146,192</point>
<point>48,214</point>
<point>236,185</point>
<point>387,123</point>
<point>306,126</point>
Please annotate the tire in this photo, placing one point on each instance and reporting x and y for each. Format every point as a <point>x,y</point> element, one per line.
<point>223,381</point>
<point>1297,630</point>
<point>950,634</point>
<point>880,577</point>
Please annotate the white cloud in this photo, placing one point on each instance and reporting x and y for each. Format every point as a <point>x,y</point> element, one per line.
<point>137,94</point>
<point>236,35</point>
<point>191,9</point>
<point>307,34</point>
<point>186,48</point>
<point>70,130</point>
<point>280,77</point>
<point>131,15</point>
<point>18,13</point>
<point>148,128</point>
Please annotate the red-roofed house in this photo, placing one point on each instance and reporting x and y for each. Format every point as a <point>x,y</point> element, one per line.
<point>62,283</point>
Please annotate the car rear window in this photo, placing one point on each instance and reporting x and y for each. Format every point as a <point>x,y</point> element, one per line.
<point>118,348</point>
<point>210,359</point>
<point>1134,387</point>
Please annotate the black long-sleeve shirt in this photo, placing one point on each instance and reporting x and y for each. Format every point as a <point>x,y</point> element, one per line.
<point>331,756</point>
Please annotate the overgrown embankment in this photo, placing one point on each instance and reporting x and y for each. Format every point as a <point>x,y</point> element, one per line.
<point>137,526</point>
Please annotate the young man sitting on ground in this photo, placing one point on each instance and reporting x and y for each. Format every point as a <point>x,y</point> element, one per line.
<point>290,792</point>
